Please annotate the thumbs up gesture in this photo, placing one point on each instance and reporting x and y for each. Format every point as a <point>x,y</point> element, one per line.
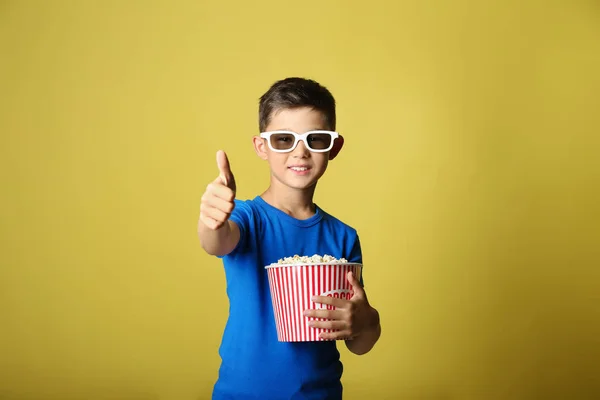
<point>217,201</point>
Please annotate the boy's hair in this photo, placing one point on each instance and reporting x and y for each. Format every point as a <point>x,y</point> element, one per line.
<point>294,93</point>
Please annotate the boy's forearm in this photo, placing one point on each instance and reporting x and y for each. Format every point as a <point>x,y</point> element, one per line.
<point>364,342</point>
<point>218,242</point>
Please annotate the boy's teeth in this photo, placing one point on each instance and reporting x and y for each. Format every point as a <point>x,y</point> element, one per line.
<point>299,168</point>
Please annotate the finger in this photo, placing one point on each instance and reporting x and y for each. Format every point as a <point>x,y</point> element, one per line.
<point>326,314</point>
<point>335,325</point>
<point>224,167</point>
<point>340,335</point>
<point>218,189</point>
<point>210,223</point>
<point>356,286</point>
<point>332,301</point>
<point>215,214</point>
<point>218,203</point>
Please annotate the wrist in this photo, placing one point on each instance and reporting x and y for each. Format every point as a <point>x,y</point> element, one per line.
<point>374,319</point>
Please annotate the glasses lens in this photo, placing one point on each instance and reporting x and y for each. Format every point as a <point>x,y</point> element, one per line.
<point>319,141</point>
<point>282,141</point>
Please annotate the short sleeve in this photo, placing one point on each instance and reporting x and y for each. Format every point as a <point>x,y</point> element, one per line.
<point>243,217</point>
<point>356,257</point>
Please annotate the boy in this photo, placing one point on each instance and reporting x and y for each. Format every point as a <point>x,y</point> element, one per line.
<point>297,124</point>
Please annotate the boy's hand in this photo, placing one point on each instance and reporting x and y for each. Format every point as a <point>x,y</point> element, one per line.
<point>351,317</point>
<point>217,201</point>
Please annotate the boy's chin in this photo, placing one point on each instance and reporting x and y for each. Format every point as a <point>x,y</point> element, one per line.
<point>298,184</point>
<point>303,187</point>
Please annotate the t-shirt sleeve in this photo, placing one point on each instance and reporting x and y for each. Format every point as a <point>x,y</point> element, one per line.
<point>356,257</point>
<point>242,216</point>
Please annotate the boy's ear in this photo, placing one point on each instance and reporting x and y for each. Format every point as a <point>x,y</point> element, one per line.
<point>337,146</point>
<point>260,147</point>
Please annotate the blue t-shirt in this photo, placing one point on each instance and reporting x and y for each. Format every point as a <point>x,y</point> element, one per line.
<point>255,365</point>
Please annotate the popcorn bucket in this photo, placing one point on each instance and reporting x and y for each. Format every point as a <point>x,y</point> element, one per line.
<point>292,287</point>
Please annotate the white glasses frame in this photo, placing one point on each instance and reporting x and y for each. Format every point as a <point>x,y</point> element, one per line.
<point>300,137</point>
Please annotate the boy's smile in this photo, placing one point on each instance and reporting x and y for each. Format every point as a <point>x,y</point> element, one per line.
<point>300,169</point>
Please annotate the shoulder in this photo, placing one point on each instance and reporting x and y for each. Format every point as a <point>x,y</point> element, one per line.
<point>338,224</point>
<point>245,202</point>
<point>247,205</point>
<point>344,235</point>
<point>245,212</point>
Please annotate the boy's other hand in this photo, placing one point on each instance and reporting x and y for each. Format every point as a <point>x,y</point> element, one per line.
<point>217,201</point>
<point>350,318</point>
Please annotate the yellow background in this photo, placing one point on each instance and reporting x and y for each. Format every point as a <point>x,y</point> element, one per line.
<point>471,171</point>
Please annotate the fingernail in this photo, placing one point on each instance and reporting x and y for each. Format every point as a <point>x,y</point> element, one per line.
<point>314,298</point>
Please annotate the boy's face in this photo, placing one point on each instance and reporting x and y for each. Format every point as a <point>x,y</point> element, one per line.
<point>299,168</point>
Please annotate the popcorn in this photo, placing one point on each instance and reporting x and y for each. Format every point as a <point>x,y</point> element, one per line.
<point>315,259</point>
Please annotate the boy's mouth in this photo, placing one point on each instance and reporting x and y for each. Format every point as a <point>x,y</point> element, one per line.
<point>300,169</point>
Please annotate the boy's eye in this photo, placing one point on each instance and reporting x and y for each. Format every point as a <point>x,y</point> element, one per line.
<point>283,138</point>
<point>282,141</point>
<point>319,141</point>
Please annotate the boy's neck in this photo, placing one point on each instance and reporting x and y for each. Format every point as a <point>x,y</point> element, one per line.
<point>297,203</point>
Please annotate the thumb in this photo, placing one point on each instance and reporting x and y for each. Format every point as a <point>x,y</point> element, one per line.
<point>356,286</point>
<point>224,168</point>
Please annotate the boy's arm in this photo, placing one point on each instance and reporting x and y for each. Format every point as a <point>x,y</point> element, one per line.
<point>221,241</point>
<point>218,235</point>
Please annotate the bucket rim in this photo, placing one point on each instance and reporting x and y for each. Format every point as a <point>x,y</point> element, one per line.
<point>334,264</point>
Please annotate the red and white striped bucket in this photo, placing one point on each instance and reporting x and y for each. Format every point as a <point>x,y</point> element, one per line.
<point>292,287</point>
